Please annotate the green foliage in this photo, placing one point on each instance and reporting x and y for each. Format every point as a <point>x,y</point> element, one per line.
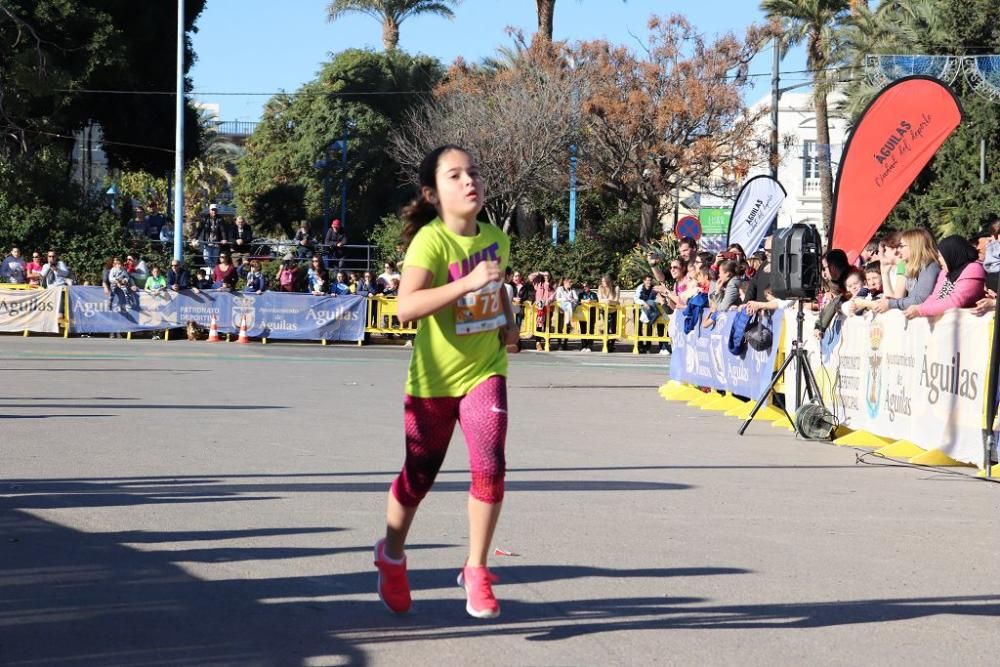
<point>280,165</point>
<point>387,237</point>
<point>586,259</point>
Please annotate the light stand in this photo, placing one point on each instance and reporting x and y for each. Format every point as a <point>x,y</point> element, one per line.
<point>803,370</point>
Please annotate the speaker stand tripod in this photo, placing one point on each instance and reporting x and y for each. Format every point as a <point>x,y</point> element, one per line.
<point>803,370</point>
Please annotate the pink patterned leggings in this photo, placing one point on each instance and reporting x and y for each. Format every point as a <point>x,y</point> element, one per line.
<point>429,424</point>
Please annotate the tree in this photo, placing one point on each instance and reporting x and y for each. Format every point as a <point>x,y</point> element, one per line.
<point>546,16</point>
<point>55,55</point>
<point>815,22</point>
<point>676,115</point>
<point>279,181</point>
<point>516,119</point>
<point>391,13</point>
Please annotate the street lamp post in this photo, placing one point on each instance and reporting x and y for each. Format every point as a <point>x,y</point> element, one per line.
<point>179,140</point>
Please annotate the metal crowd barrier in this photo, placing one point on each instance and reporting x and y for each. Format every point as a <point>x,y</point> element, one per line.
<point>63,319</point>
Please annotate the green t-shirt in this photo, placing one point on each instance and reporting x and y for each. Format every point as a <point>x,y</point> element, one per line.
<point>458,347</point>
<point>156,282</point>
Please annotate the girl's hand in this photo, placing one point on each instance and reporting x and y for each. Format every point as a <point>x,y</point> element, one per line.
<point>880,306</point>
<point>912,312</point>
<point>512,338</point>
<point>485,273</point>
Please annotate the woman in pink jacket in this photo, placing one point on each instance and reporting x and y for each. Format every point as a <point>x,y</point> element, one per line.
<point>960,284</point>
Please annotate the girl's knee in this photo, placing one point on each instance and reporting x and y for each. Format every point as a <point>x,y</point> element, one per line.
<point>487,488</point>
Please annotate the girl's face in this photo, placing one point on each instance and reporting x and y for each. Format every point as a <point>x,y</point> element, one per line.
<point>873,281</point>
<point>904,251</point>
<point>647,282</point>
<point>156,271</point>
<point>703,281</point>
<point>340,277</point>
<point>567,284</point>
<point>724,275</point>
<point>368,276</point>
<point>459,190</point>
<point>117,264</point>
<point>853,284</point>
<point>605,284</point>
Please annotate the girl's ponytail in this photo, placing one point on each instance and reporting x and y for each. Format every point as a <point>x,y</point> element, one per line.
<point>420,211</point>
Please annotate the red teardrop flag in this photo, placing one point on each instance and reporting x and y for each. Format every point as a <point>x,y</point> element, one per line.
<point>893,141</point>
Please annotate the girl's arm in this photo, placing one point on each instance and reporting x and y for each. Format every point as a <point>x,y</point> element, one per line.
<point>417,299</point>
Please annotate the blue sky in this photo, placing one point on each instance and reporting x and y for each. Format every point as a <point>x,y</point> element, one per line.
<point>262,46</point>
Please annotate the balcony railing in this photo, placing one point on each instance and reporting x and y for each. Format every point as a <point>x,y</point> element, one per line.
<point>237,128</point>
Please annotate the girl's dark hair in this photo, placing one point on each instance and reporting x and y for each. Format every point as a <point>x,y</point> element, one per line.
<point>419,211</point>
<point>730,267</point>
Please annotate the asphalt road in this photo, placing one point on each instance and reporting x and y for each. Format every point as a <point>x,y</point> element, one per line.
<point>189,504</point>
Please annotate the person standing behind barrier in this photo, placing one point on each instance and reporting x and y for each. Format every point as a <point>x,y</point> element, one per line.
<point>156,283</point>
<point>55,273</point>
<point>177,276</point>
<point>14,270</point>
<point>242,239</point>
<point>286,274</point>
<point>649,310</point>
<point>339,287</point>
<point>224,276</point>
<point>388,273</point>
<point>960,283</point>
<point>452,286</point>
<point>317,278</point>
<point>211,236</point>
<point>522,294</point>
<point>335,242</point>
<point>33,270</point>
<point>918,249</point>
<point>155,222</point>
<point>303,240</point>
<point>256,283</point>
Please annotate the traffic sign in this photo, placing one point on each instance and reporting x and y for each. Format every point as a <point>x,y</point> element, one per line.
<point>688,226</point>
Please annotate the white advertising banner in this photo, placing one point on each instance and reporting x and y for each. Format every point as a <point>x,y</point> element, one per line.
<point>919,380</point>
<point>30,310</point>
<point>756,207</point>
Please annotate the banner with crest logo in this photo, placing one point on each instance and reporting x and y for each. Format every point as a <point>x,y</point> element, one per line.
<point>922,380</point>
<point>277,315</point>
<point>702,357</point>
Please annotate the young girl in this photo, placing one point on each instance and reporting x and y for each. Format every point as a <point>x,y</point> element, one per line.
<point>256,283</point>
<point>156,284</point>
<point>451,284</point>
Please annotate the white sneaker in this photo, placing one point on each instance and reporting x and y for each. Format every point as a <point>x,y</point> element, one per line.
<point>664,351</point>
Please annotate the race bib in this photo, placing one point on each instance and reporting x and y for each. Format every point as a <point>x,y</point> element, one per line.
<point>480,311</point>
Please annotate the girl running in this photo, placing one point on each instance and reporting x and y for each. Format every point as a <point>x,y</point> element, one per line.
<point>452,284</point>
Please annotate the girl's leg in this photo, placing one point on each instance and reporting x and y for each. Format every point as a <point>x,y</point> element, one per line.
<point>483,417</point>
<point>429,424</point>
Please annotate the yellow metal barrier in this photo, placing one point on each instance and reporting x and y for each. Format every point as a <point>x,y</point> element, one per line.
<point>382,317</point>
<point>594,322</point>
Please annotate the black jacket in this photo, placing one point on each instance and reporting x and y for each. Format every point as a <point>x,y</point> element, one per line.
<point>213,233</point>
<point>181,278</point>
<point>246,234</point>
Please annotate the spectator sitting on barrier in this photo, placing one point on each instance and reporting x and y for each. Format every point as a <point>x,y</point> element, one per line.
<point>918,249</point>
<point>588,298</point>
<point>286,274</point>
<point>339,287</point>
<point>224,276</point>
<point>609,295</point>
<point>256,283</point>
<point>177,276</point>
<point>120,285</point>
<point>544,295</point>
<point>55,273</point>
<point>33,269</point>
<point>365,286</point>
<point>317,277</point>
<point>568,299</point>
<point>14,270</point>
<point>960,283</point>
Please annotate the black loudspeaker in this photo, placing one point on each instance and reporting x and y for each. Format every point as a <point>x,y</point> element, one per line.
<point>796,268</point>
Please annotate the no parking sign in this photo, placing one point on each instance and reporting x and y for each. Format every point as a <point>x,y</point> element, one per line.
<point>688,226</point>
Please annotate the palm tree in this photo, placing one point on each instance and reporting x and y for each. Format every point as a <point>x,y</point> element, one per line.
<point>815,22</point>
<point>391,13</point>
<point>546,14</point>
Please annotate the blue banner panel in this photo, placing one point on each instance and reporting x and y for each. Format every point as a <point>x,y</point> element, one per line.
<point>702,357</point>
<point>277,315</point>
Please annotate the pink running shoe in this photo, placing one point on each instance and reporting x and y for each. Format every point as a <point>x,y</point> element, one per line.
<point>478,584</point>
<point>393,587</point>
